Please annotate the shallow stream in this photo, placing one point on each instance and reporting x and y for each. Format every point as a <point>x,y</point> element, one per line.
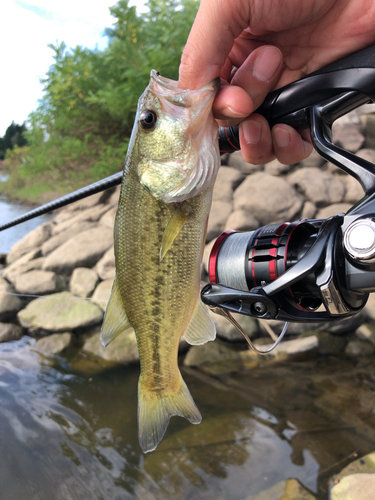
<point>68,430</point>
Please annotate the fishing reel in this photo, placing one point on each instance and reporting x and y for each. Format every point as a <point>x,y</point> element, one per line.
<point>312,269</point>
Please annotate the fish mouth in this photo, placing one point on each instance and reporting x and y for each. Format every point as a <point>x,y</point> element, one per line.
<point>170,90</point>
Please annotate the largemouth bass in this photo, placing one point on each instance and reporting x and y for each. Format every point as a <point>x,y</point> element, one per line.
<point>165,199</point>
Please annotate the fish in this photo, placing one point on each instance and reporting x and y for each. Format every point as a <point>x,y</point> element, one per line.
<point>160,229</point>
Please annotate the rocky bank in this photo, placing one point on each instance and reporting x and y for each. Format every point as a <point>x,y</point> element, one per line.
<point>58,278</point>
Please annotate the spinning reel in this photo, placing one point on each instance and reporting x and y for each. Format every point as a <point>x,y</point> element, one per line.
<point>309,270</point>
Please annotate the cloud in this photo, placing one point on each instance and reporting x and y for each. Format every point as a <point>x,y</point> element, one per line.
<point>26,29</point>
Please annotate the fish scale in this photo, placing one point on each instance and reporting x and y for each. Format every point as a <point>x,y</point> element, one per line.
<point>158,247</point>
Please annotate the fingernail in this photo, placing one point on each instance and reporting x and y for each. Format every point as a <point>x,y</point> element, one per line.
<point>251,131</point>
<point>266,64</point>
<point>282,137</point>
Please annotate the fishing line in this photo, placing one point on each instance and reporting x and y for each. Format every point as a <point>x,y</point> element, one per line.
<point>51,296</point>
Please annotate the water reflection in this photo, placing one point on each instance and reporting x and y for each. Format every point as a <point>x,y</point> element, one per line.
<point>68,431</point>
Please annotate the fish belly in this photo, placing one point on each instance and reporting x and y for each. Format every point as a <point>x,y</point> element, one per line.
<point>159,298</point>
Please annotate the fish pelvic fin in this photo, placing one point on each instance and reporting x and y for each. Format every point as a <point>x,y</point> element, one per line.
<point>174,226</point>
<point>201,328</point>
<point>156,408</point>
<point>115,318</point>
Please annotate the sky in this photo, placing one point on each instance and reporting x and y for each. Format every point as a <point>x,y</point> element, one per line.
<point>26,29</point>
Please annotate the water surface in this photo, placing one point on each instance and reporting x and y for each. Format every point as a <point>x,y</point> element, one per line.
<point>68,430</point>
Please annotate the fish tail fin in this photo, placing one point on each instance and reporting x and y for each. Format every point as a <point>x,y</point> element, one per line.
<point>155,410</point>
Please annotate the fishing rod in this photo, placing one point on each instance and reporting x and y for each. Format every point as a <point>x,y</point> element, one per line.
<point>312,269</point>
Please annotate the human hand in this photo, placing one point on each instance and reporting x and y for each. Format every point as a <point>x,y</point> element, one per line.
<point>270,44</point>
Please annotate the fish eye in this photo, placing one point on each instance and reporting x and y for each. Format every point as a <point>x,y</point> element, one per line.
<point>148,119</point>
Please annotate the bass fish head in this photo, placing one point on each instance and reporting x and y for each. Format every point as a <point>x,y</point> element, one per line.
<point>176,139</point>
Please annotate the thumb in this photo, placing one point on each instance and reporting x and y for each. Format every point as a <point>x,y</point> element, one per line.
<point>217,24</point>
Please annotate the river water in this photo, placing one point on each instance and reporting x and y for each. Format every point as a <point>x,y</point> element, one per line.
<point>9,211</point>
<point>68,430</point>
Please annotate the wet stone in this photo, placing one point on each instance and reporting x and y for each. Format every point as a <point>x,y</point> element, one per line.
<point>122,349</point>
<point>358,348</point>
<point>291,489</point>
<point>53,344</point>
<point>9,331</point>
<point>10,304</point>
<point>354,487</point>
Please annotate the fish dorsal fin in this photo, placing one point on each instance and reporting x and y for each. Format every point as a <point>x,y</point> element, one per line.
<point>201,328</point>
<point>174,226</point>
<point>115,319</point>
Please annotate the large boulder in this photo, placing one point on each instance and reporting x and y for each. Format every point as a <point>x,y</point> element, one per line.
<point>267,198</point>
<point>336,208</point>
<point>53,344</point>
<point>102,293</point>
<point>89,215</point>
<point>82,251</point>
<point>83,281</point>
<point>121,350</point>
<point>319,187</point>
<point>10,331</point>
<point>106,265</point>
<point>55,241</point>
<point>242,221</point>
<point>236,160</point>
<point>10,304</point>
<point>60,312</point>
<point>18,267</point>
<point>218,216</point>
<point>31,241</point>
<point>38,282</point>
<point>228,179</point>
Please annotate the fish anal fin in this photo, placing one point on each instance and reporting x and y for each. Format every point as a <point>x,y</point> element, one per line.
<point>201,328</point>
<point>174,226</point>
<point>156,409</point>
<point>115,318</point>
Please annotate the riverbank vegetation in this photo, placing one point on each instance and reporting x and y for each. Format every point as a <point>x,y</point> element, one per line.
<point>80,131</point>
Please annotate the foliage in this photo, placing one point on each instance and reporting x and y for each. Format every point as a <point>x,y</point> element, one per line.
<point>82,125</point>
<point>14,136</point>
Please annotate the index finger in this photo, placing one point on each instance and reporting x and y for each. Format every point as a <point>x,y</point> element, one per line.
<point>217,24</point>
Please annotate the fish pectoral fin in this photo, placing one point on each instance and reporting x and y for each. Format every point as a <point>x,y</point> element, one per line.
<point>174,226</point>
<point>201,328</point>
<point>115,319</point>
<point>155,410</point>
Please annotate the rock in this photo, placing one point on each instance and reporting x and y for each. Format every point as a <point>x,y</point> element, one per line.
<point>363,465</point>
<point>308,211</point>
<point>106,265</point>
<point>226,331</point>
<point>358,348</point>
<point>354,191</point>
<point>218,216</point>
<point>344,326</point>
<point>336,208</point>
<point>39,282</point>
<point>108,219</point>
<point>16,265</point>
<point>9,331</point>
<point>276,168</point>
<point>354,487</point>
<point>12,271</point>
<point>227,180</point>
<point>59,312</point>
<point>367,154</point>
<point>366,332</point>
<point>319,187</point>
<point>314,160</point>
<point>369,124</point>
<point>329,345</point>
<point>219,358</point>
<point>102,293</point>
<point>92,201</point>
<point>89,215</point>
<point>370,307</point>
<point>348,135</point>
<point>9,304</point>
<point>122,349</point>
<point>291,489</point>
<point>206,254</point>
<point>236,160</point>
<point>114,196</point>
<point>267,198</point>
<point>82,251</point>
<point>242,221</point>
<point>83,281</point>
<point>55,241</point>
<point>31,242</point>
<point>53,344</point>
